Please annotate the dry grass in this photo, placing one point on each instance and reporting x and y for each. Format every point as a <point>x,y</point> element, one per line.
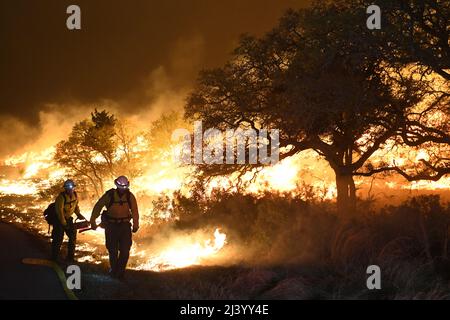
<point>292,249</point>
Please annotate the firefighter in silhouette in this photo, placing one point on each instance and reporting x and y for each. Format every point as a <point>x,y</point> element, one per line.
<point>121,210</point>
<point>66,205</point>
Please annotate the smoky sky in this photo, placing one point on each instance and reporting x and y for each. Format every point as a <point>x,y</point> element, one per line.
<point>119,45</point>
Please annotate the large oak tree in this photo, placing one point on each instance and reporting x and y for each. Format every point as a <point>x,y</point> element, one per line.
<point>324,80</point>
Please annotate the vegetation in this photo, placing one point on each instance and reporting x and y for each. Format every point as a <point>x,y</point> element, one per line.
<point>98,148</point>
<point>323,79</point>
<point>329,85</point>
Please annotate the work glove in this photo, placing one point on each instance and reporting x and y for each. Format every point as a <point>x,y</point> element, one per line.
<point>135,228</point>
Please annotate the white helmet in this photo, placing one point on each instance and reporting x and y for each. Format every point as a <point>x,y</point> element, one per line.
<point>122,182</point>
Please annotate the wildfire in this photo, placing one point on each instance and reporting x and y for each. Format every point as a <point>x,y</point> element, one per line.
<point>183,252</point>
<point>282,176</point>
<point>17,187</point>
<point>38,171</point>
<point>35,171</point>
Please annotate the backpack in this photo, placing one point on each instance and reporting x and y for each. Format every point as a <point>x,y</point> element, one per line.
<point>50,212</point>
<point>110,193</point>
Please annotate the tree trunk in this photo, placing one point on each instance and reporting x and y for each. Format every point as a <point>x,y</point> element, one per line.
<point>346,194</point>
<point>425,238</point>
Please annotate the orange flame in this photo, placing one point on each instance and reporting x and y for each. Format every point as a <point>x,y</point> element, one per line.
<point>183,252</point>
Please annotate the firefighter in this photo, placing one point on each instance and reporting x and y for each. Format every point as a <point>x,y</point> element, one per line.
<point>66,205</point>
<point>121,210</point>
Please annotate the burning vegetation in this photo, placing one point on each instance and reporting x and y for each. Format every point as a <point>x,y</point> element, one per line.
<point>363,177</point>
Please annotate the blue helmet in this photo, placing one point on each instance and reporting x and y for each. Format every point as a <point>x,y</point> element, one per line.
<point>69,184</point>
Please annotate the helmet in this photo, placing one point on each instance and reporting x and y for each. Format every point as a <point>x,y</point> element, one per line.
<point>122,182</point>
<point>69,184</point>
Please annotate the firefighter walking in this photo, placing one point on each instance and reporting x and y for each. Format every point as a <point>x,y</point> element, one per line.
<point>121,210</point>
<point>66,205</point>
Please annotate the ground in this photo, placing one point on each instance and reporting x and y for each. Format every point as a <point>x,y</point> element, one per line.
<point>409,277</point>
<point>20,281</point>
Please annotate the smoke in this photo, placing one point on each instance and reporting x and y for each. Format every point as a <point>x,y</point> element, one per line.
<point>14,133</point>
<point>159,92</point>
<point>53,124</point>
<point>139,57</point>
<point>138,60</point>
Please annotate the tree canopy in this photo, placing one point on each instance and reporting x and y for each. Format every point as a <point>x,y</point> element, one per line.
<point>325,81</point>
<point>98,149</point>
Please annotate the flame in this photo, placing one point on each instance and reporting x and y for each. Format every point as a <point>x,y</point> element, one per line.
<point>34,162</point>
<point>38,171</point>
<point>161,175</point>
<point>282,176</point>
<point>183,253</point>
<point>17,187</point>
<point>162,181</point>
